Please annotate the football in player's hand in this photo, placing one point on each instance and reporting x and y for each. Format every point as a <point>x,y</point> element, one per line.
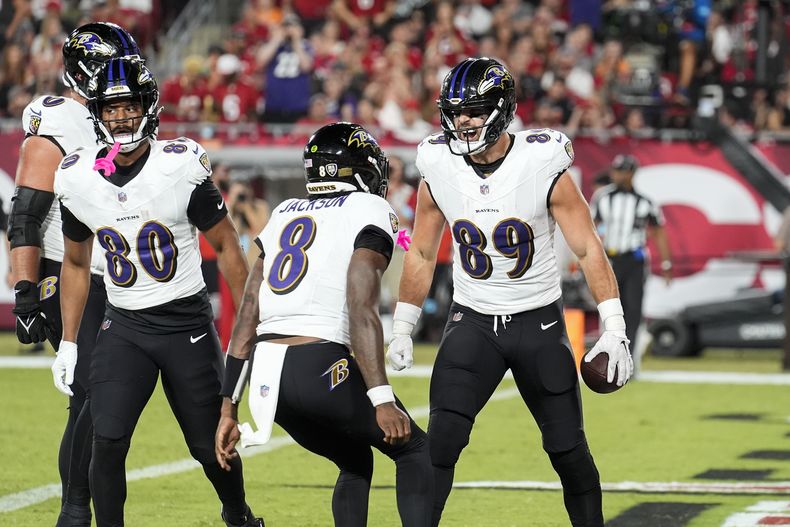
<point>594,374</point>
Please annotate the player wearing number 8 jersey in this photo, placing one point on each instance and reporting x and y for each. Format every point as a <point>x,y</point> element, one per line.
<point>311,299</point>
<point>145,215</point>
<point>502,195</point>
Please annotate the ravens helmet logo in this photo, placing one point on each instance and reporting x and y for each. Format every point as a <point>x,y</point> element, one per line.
<point>92,43</point>
<point>494,77</point>
<point>360,138</point>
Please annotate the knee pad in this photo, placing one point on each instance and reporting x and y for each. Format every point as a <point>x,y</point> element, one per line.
<point>448,433</point>
<point>109,428</point>
<point>576,469</point>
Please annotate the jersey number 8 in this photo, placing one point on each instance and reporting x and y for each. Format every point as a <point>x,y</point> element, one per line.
<point>290,265</point>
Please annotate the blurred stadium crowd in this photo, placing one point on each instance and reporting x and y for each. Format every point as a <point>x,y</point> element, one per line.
<point>602,66</point>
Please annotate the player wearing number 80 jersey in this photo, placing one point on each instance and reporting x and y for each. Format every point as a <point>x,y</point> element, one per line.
<point>145,215</point>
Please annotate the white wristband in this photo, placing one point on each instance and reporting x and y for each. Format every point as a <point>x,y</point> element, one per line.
<point>611,313</point>
<point>381,394</point>
<point>405,318</point>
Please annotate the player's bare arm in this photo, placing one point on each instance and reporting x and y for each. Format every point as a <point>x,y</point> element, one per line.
<point>35,175</point>
<point>573,216</point>
<point>241,342</point>
<point>74,284</point>
<point>420,259</point>
<point>364,287</point>
<point>230,258</point>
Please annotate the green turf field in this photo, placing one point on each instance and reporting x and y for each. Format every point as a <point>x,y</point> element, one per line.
<point>648,432</point>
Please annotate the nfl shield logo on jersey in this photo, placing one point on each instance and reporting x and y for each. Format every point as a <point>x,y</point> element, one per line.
<point>264,390</point>
<point>122,197</point>
<point>484,189</point>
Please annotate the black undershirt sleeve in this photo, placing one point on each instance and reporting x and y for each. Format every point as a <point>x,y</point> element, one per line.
<point>260,246</point>
<point>73,228</point>
<point>206,207</point>
<point>375,239</point>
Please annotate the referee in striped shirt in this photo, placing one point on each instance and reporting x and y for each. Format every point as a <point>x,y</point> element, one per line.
<point>625,218</point>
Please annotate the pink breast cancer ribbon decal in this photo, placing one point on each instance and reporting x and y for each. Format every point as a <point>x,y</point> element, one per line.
<point>404,240</point>
<point>105,163</point>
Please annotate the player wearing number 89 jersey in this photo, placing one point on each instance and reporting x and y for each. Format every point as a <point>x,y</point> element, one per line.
<point>145,213</point>
<point>502,195</point>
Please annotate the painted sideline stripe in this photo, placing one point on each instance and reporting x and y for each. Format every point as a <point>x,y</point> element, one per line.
<point>646,487</point>
<point>26,498</point>
<point>424,371</point>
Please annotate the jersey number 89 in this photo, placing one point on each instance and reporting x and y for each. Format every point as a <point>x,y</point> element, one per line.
<point>512,237</point>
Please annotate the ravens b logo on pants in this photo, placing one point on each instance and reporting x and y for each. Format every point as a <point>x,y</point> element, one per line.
<point>338,372</point>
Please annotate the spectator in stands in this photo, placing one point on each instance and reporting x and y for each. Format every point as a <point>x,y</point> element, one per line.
<point>779,114</point>
<point>473,19</point>
<point>183,96</point>
<point>235,100</point>
<point>21,29</point>
<point>442,38</point>
<point>312,13</point>
<point>249,215</point>
<point>374,14</point>
<point>45,51</point>
<point>288,60</point>
<point>413,128</point>
<point>14,72</point>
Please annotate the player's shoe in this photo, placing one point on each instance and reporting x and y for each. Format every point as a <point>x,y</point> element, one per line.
<point>74,516</point>
<point>251,521</point>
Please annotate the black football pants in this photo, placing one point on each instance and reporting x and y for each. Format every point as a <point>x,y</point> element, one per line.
<point>629,270</point>
<point>126,366</point>
<point>323,405</point>
<point>474,355</point>
<point>75,445</point>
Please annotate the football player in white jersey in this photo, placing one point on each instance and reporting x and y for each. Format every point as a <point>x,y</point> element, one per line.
<point>502,195</point>
<point>55,125</point>
<point>311,299</point>
<point>145,216</point>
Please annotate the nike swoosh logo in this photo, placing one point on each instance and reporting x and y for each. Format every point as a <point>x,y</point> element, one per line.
<point>35,112</point>
<point>221,204</point>
<point>559,138</point>
<point>544,327</point>
<point>195,150</point>
<point>28,325</point>
<point>195,339</point>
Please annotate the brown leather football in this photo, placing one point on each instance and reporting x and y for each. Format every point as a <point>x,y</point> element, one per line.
<point>594,374</point>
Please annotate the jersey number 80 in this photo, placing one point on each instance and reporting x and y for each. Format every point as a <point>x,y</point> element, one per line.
<point>156,251</point>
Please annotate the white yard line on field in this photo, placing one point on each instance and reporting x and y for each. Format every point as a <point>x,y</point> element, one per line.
<point>646,487</point>
<point>424,371</point>
<point>26,498</point>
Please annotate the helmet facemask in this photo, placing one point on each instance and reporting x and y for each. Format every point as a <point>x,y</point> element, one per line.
<point>458,138</point>
<point>132,82</point>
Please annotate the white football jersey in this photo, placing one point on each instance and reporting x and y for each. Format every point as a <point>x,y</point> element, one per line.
<point>149,245</point>
<point>503,234</point>
<point>69,124</point>
<point>308,246</point>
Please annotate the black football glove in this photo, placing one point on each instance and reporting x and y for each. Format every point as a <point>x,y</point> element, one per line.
<point>31,324</point>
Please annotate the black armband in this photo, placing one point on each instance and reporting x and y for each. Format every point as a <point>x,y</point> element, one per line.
<point>29,208</point>
<point>235,378</point>
<point>375,239</point>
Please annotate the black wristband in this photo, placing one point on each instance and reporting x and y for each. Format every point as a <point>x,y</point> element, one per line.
<point>26,292</point>
<point>235,378</point>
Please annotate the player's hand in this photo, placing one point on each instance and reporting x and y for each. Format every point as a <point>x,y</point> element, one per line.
<point>225,441</point>
<point>31,324</point>
<point>400,352</point>
<point>614,344</point>
<point>63,367</point>
<point>394,422</point>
